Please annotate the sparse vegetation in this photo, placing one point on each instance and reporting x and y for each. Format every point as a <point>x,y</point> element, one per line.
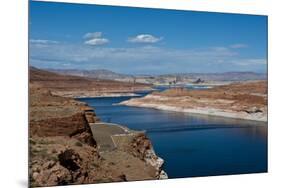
<point>79,144</point>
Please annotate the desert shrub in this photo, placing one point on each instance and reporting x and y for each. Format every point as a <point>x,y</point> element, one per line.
<point>43,141</point>
<point>95,164</point>
<point>79,144</point>
<point>32,141</point>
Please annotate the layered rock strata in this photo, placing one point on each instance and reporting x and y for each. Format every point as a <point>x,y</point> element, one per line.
<point>63,149</point>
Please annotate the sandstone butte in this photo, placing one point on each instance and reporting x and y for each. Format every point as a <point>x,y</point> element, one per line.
<point>62,148</point>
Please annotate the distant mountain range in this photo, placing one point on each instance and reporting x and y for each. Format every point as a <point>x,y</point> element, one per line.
<point>75,86</point>
<point>97,74</point>
<point>165,78</point>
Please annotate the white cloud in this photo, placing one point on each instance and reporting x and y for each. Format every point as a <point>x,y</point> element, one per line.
<point>250,62</point>
<point>95,39</point>
<point>144,38</point>
<point>235,46</point>
<point>93,35</point>
<point>41,41</point>
<point>144,59</point>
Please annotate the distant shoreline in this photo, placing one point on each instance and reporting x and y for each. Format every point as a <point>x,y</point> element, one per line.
<point>108,95</point>
<point>95,94</point>
<point>201,111</point>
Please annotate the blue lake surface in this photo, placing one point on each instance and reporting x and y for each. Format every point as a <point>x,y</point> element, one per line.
<point>193,145</point>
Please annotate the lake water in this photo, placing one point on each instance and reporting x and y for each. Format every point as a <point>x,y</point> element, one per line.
<point>193,145</point>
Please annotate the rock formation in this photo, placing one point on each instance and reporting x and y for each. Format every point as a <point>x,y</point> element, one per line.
<point>63,150</point>
<point>243,100</point>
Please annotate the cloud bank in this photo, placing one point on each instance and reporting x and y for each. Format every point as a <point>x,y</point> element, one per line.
<point>42,41</point>
<point>141,60</point>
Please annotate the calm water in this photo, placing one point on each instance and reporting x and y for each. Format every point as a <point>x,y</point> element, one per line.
<point>193,145</point>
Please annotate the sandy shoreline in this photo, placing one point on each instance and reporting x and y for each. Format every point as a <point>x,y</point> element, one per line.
<point>94,94</point>
<point>245,100</point>
<point>108,95</point>
<point>203,111</point>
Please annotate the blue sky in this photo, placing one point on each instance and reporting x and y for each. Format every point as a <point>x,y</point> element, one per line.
<point>145,41</point>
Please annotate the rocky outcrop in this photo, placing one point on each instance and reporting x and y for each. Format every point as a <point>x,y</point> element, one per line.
<point>65,161</point>
<point>246,100</point>
<point>61,142</point>
<point>57,116</point>
<point>63,150</point>
<point>70,125</point>
<point>142,147</point>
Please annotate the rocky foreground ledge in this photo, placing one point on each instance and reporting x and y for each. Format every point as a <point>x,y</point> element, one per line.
<point>65,146</point>
<point>246,100</point>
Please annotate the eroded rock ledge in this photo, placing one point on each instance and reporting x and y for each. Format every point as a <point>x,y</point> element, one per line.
<point>63,149</point>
